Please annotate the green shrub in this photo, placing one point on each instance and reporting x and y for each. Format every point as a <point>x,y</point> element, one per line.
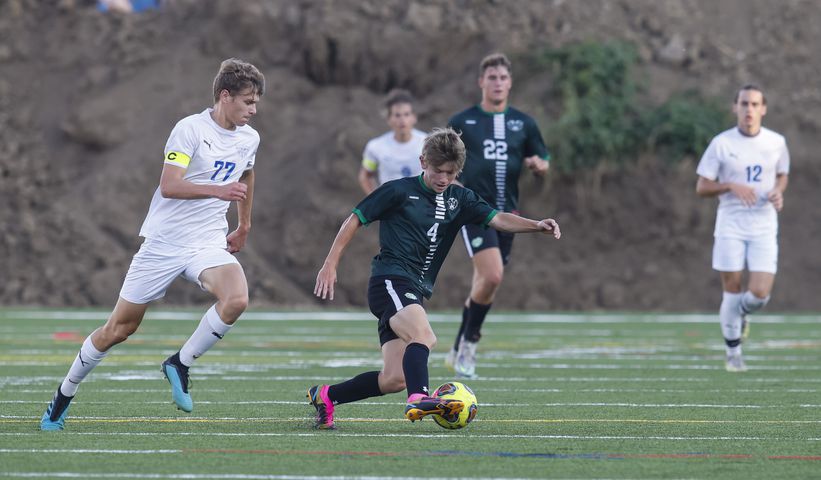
<point>684,125</point>
<point>603,120</point>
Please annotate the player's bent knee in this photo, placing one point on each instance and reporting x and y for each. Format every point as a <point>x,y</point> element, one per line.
<point>490,281</point>
<point>233,306</point>
<point>117,334</point>
<point>392,384</point>
<point>761,294</point>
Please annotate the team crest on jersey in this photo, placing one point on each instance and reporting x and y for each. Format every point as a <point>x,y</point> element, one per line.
<point>242,150</point>
<point>411,296</point>
<point>452,203</point>
<point>515,125</point>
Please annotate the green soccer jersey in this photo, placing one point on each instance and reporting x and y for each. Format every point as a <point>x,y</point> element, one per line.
<point>497,144</point>
<point>417,226</point>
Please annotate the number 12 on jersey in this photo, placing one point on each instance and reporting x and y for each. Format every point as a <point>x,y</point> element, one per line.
<point>754,173</point>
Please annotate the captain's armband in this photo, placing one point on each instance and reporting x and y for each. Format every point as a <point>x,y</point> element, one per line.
<point>177,158</point>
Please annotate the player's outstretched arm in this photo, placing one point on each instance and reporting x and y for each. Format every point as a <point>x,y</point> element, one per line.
<point>326,277</point>
<point>236,239</point>
<point>174,185</point>
<point>508,222</point>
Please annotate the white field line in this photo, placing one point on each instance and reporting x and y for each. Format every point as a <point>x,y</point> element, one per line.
<point>230,476</point>
<point>500,317</point>
<point>482,404</point>
<point>101,376</point>
<point>442,435</point>
<point>92,391</point>
<point>192,419</point>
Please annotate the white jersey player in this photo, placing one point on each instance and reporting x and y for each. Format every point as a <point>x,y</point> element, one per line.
<point>747,167</point>
<point>395,154</point>
<point>208,164</point>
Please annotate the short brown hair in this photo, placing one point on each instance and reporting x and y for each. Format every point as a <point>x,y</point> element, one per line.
<point>444,145</point>
<point>235,75</point>
<point>495,60</point>
<point>397,96</point>
<point>750,86</point>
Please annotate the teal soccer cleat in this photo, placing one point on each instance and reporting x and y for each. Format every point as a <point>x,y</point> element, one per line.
<point>55,416</point>
<point>177,375</point>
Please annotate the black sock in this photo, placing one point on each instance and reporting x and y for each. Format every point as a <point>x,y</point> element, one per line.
<point>732,343</point>
<point>477,313</point>
<point>364,385</point>
<point>465,320</point>
<point>415,366</point>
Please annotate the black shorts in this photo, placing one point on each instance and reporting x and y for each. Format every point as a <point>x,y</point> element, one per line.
<point>478,238</point>
<point>386,296</point>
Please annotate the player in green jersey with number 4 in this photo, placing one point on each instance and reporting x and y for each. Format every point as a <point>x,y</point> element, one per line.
<point>419,219</point>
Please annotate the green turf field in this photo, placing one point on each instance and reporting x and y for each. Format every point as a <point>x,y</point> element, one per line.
<point>561,396</point>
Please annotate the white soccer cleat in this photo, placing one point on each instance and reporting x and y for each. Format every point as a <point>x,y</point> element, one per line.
<point>735,363</point>
<point>465,365</point>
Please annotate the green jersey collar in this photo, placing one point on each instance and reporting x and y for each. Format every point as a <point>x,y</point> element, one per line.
<point>479,106</point>
<point>422,182</point>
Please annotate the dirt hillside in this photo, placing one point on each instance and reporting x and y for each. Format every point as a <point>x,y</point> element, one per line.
<point>87,100</point>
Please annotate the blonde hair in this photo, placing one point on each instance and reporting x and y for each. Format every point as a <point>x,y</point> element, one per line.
<point>444,145</point>
<point>235,75</point>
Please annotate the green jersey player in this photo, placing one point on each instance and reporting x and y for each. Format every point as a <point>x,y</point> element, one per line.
<point>419,219</point>
<point>501,142</point>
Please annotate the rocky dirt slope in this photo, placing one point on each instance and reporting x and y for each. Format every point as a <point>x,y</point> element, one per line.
<point>87,101</point>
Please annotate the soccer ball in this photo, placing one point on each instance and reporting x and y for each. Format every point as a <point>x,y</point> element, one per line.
<point>457,391</point>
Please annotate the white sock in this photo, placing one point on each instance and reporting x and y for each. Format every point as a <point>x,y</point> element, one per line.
<point>86,360</point>
<point>729,317</point>
<point>210,330</point>
<point>750,303</point>
<point>733,350</point>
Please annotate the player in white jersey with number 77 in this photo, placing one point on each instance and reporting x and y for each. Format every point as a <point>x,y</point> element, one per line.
<point>209,160</point>
<point>747,167</point>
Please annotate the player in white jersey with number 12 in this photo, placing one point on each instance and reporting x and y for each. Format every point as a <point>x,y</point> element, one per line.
<point>209,160</point>
<point>747,167</point>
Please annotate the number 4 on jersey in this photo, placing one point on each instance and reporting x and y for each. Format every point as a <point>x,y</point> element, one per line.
<point>432,232</point>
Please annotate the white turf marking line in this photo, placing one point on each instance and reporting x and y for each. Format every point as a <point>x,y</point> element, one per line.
<point>271,316</point>
<point>149,419</point>
<point>442,435</point>
<point>483,404</point>
<point>50,391</point>
<point>237,476</point>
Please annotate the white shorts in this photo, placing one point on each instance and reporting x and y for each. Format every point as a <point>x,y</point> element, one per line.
<point>157,264</point>
<point>759,254</point>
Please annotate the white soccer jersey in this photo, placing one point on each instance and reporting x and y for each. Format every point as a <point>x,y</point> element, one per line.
<point>393,159</point>
<point>211,155</point>
<point>733,157</point>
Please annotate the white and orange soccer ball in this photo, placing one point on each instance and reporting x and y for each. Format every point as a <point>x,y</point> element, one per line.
<point>457,391</point>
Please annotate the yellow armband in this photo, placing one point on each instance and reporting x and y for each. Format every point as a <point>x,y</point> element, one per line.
<point>178,158</point>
